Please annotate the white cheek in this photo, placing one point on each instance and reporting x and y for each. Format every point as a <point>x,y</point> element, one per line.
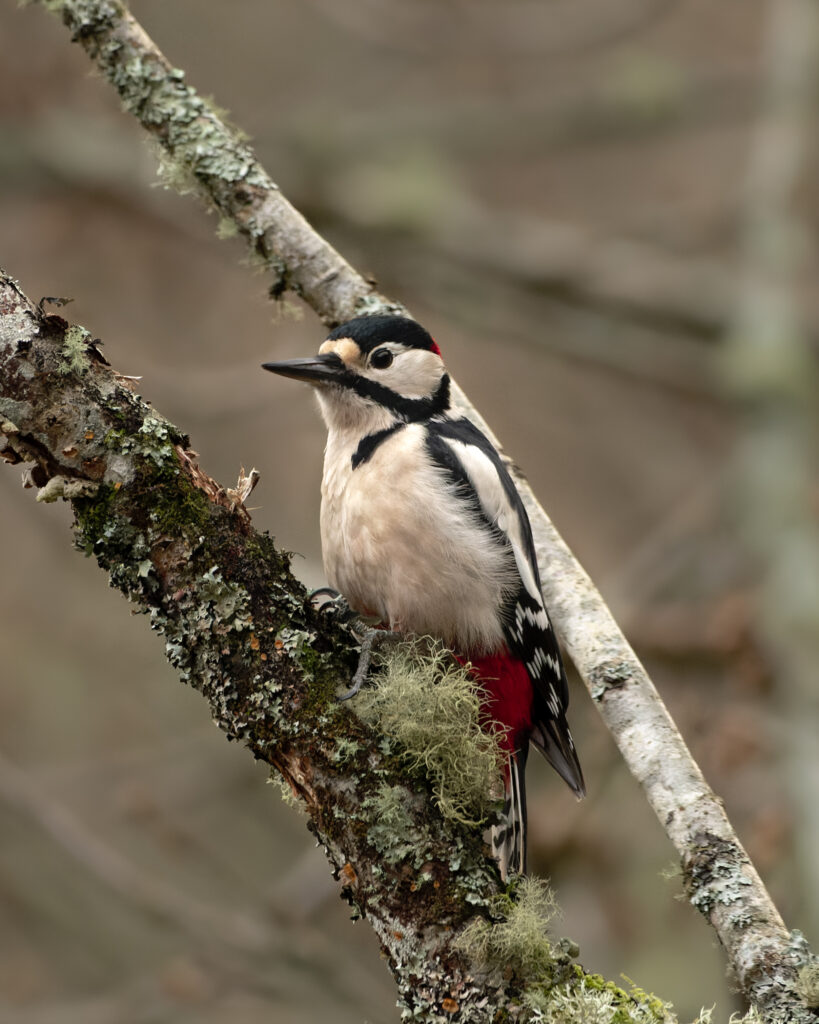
<point>415,373</point>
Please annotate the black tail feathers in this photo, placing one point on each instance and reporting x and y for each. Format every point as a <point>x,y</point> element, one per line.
<point>552,738</point>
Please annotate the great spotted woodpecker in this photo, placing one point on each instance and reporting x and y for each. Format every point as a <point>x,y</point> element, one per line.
<point>423,529</point>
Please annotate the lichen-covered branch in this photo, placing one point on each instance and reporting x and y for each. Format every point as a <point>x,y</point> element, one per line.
<point>236,626</point>
<point>204,154</point>
<point>398,815</point>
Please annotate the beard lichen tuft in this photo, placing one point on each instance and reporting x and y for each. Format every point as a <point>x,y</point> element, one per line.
<point>517,936</point>
<point>570,1004</point>
<point>429,706</point>
<point>808,984</point>
<point>553,989</point>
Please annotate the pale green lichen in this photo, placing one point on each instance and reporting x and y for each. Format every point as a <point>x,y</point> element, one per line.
<point>391,829</point>
<point>570,1004</point>
<point>287,794</point>
<point>584,1002</point>
<point>515,937</point>
<point>176,177</point>
<point>346,749</point>
<point>715,875</point>
<point>808,984</point>
<point>753,1016</point>
<point>295,641</point>
<point>74,352</point>
<point>518,937</point>
<point>590,998</point>
<point>375,304</point>
<point>429,709</point>
<point>154,440</point>
<point>229,601</point>
<point>226,228</point>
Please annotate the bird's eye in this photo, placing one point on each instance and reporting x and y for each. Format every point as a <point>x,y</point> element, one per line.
<point>381,359</point>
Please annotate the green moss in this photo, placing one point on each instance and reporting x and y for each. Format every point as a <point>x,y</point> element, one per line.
<point>430,707</point>
<point>554,990</point>
<point>650,1008</point>
<point>179,506</point>
<point>94,517</point>
<point>318,668</point>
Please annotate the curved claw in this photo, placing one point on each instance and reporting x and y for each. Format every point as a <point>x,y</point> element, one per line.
<point>354,689</point>
<point>334,606</point>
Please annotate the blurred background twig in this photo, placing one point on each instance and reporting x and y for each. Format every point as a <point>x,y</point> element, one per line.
<point>771,368</point>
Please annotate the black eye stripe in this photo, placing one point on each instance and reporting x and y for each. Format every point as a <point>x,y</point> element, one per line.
<point>411,410</point>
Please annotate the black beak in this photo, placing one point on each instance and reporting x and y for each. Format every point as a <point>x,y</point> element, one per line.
<point>315,370</point>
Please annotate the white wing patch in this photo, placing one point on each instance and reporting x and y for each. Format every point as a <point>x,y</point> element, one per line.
<point>491,494</point>
<point>526,627</point>
<point>530,627</point>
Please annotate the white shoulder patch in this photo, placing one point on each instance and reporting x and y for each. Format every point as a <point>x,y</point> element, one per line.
<point>492,496</point>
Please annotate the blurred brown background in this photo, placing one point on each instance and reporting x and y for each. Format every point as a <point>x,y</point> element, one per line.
<point>555,193</point>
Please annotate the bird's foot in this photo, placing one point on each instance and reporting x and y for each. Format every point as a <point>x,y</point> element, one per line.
<point>370,638</point>
<point>329,602</point>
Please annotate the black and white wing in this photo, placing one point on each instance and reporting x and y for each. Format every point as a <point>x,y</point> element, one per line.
<point>475,465</point>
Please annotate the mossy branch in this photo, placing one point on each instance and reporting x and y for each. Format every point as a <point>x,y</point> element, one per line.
<point>205,155</point>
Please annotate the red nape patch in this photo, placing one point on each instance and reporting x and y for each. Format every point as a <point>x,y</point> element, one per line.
<point>509,695</point>
<point>434,348</point>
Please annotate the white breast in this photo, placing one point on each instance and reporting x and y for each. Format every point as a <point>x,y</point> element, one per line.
<point>400,545</point>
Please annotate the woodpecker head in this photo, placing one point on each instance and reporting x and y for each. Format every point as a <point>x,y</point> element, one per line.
<point>372,371</point>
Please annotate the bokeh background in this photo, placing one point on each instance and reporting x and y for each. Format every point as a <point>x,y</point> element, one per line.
<point>555,190</point>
